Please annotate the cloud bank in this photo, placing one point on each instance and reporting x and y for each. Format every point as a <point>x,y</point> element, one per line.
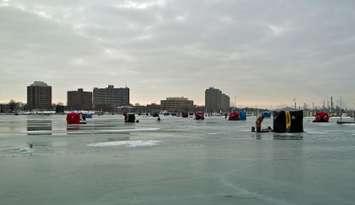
<point>261,52</point>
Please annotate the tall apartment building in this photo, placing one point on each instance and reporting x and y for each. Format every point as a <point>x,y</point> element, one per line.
<point>213,98</point>
<point>39,96</point>
<point>216,101</point>
<point>79,100</point>
<point>108,99</point>
<point>225,103</point>
<point>177,104</point>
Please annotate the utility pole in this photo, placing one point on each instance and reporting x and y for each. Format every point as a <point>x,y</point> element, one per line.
<point>331,104</point>
<point>295,104</point>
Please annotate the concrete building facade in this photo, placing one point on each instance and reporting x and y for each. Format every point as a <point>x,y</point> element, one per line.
<point>216,101</point>
<point>39,96</point>
<point>177,104</point>
<point>225,103</point>
<point>79,100</point>
<point>213,99</point>
<point>4,108</point>
<point>108,99</point>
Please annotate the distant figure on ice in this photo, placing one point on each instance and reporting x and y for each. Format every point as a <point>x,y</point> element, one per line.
<point>258,123</point>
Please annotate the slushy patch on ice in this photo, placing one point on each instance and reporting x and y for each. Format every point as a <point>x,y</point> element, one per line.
<point>128,143</point>
<point>316,133</point>
<point>109,131</point>
<point>15,150</point>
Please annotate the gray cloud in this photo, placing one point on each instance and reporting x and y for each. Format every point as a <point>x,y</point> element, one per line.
<point>260,51</point>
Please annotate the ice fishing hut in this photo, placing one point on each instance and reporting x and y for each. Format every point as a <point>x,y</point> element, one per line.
<point>129,117</point>
<point>233,116</point>
<point>266,114</point>
<point>237,116</point>
<point>243,115</point>
<point>199,115</point>
<point>321,117</point>
<point>288,121</point>
<point>73,118</point>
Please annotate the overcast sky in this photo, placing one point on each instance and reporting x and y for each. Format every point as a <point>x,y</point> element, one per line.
<point>263,52</point>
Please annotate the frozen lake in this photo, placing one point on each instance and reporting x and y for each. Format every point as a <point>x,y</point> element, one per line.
<point>175,161</point>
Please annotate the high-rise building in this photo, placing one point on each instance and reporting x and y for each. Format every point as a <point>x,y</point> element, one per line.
<point>177,104</point>
<point>213,98</point>
<point>79,100</point>
<point>225,103</point>
<point>108,99</point>
<point>39,96</point>
<point>216,101</point>
<point>331,104</point>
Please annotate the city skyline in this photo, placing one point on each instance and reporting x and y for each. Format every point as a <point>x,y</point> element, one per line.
<point>326,103</point>
<point>262,54</point>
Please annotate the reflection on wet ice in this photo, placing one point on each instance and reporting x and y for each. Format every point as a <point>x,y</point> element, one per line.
<point>39,127</point>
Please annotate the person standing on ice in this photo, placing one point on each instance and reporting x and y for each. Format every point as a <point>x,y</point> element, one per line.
<point>258,123</point>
